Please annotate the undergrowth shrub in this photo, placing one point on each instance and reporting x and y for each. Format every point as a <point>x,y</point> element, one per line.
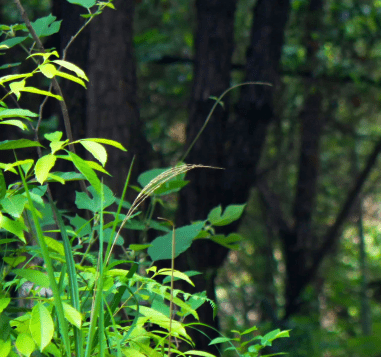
<point>60,298</point>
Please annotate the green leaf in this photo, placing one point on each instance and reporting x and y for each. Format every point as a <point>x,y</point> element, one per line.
<point>18,144</point>
<point>97,150</point>
<point>39,91</point>
<point>25,344</point>
<point>249,330</point>
<point>161,247</point>
<point>16,112</point>
<point>4,302</point>
<point>14,205</point>
<point>229,241</point>
<point>5,347</point>
<point>41,326</point>
<point>15,227</point>
<point>34,276</point>
<point>83,201</point>
<point>231,214</point>
<point>17,123</point>
<point>107,142</point>
<point>16,87</point>
<point>11,42</point>
<point>138,247</point>
<point>48,70</point>
<point>72,78</point>
<point>219,340</point>
<point>54,245</point>
<point>176,274</point>
<point>43,167</point>
<point>46,26</point>
<point>72,67</point>
<point>56,136</point>
<point>87,171</point>
<point>85,3</point>
<point>3,186</point>
<point>14,261</point>
<point>72,315</point>
<point>53,350</point>
<point>13,77</point>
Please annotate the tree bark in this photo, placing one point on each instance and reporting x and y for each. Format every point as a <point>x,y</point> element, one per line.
<point>235,144</point>
<point>112,110</point>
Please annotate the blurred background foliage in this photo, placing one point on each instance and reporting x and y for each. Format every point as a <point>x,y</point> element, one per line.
<point>340,310</point>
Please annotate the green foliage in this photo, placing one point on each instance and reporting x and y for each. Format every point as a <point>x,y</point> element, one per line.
<point>76,296</point>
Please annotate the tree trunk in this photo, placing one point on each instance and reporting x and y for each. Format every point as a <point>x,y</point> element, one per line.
<point>235,145</point>
<point>214,48</point>
<point>112,110</point>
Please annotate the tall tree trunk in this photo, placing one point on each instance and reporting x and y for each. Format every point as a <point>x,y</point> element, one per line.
<point>112,108</point>
<point>299,242</point>
<point>237,144</point>
<point>214,48</point>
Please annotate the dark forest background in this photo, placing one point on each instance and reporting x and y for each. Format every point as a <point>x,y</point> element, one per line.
<point>303,153</point>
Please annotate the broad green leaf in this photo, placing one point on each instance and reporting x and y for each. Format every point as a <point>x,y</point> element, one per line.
<point>94,165</point>
<point>18,144</point>
<point>21,324</point>
<point>161,247</point>
<point>53,350</point>
<point>46,26</point>
<point>3,186</point>
<point>5,347</point>
<point>83,201</point>
<point>43,167</point>
<point>229,242</point>
<point>132,352</point>
<point>13,77</point>
<point>58,145</point>
<point>14,205</point>
<point>48,70</point>
<point>85,3</point>
<point>15,227</point>
<point>219,340</point>
<point>161,320</point>
<point>41,326</point>
<point>87,171</point>
<point>14,261</point>
<point>56,136</point>
<point>72,315</point>
<point>70,77</point>
<point>54,245</point>
<point>249,330</point>
<point>107,142</point>
<point>25,344</point>
<point>176,274</point>
<point>34,276</point>
<point>16,87</point>
<point>231,214</point>
<point>97,150</point>
<point>4,302</point>
<point>16,112</point>
<point>10,167</point>
<point>10,65</point>
<point>39,91</point>
<point>17,123</point>
<point>13,41</point>
<point>72,67</point>
<point>52,177</point>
